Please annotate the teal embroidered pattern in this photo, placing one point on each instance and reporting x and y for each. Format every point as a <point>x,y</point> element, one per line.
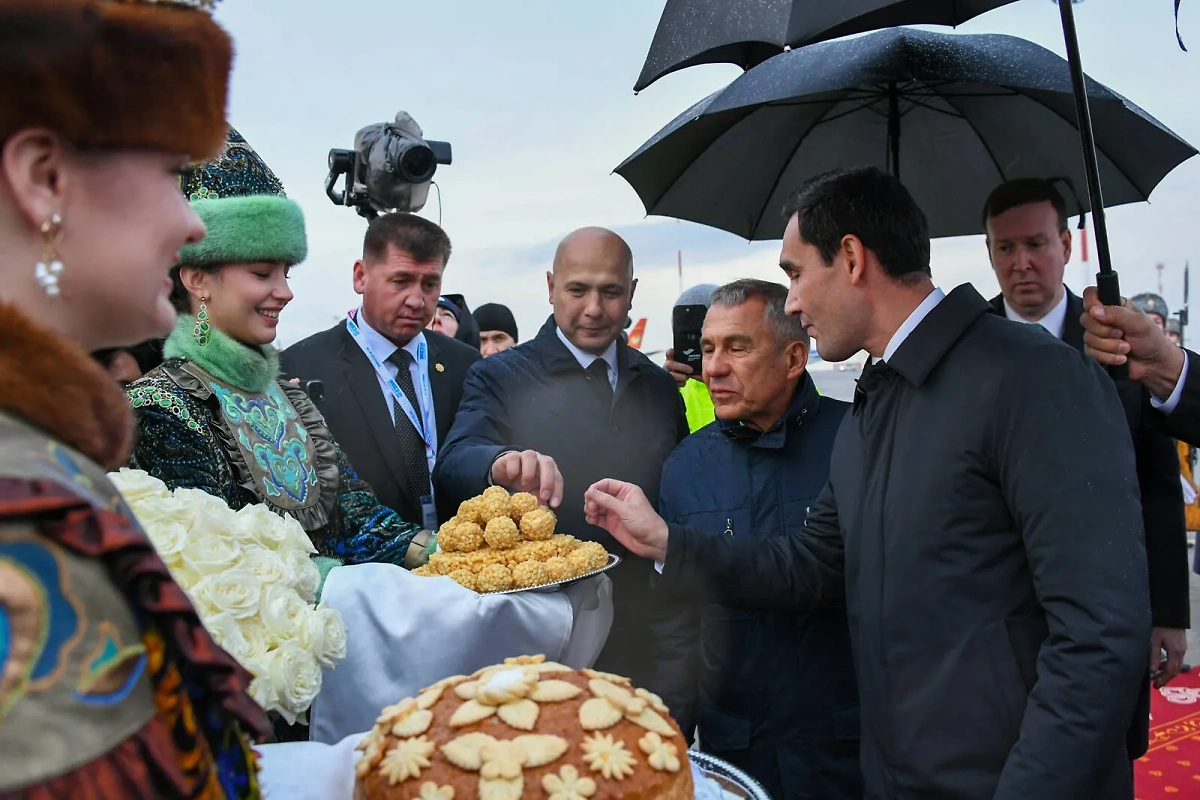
<point>284,459</point>
<point>140,396</point>
<point>268,417</point>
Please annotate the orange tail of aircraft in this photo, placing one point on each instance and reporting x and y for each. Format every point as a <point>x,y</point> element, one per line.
<point>636,334</point>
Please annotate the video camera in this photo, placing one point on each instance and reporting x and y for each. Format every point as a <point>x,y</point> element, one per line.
<point>389,169</point>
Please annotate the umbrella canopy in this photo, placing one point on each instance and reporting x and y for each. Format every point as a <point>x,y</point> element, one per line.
<point>952,115</point>
<point>748,32</point>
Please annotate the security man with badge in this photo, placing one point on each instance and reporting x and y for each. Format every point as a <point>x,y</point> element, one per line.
<point>391,387</point>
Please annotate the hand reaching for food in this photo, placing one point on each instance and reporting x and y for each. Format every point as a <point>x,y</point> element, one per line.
<point>529,471</point>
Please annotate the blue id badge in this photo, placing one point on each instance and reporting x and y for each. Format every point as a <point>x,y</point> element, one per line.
<point>428,513</point>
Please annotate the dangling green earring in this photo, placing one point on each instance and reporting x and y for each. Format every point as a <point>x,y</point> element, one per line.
<point>201,330</point>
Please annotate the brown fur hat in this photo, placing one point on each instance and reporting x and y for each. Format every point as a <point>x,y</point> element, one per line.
<point>147,74</point>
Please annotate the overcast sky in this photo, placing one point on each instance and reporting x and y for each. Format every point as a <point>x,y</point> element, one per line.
<point>536,98</point>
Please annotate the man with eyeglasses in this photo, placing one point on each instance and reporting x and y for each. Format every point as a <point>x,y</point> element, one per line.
<point>772,692</point>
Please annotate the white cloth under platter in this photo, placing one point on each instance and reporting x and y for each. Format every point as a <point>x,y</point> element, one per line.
<point>405,632</point>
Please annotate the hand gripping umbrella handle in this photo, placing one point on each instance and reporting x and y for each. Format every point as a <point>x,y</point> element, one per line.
<point>1109,290</point>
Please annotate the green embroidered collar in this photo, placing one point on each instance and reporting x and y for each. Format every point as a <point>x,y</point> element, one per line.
<point>249,368</point>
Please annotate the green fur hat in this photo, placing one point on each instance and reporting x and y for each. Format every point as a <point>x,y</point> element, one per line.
<point>242,204</point>
<point>245,230</point>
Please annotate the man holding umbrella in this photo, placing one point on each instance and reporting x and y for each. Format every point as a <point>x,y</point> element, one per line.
<point>1029,245</point>
<point>997,610</point>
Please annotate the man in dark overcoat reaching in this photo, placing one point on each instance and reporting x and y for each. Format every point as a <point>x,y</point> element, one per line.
<point>995,584</point>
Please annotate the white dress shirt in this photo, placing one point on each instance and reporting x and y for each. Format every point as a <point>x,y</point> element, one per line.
<point>1054,320</point>
<point>914,319</point>
<point>1168,405</point>
<point>384,348</point>
<point>587,359</point>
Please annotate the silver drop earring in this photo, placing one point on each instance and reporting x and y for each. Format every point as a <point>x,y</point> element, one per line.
<point>50,267</point>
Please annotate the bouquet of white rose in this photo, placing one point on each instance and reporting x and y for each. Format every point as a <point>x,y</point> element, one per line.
<point>252,580</point>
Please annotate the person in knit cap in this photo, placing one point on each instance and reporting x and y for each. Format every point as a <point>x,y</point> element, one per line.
<point>497,329</point>
<point>446,318</point>
<point>696,399</point>
<point>110,686</point>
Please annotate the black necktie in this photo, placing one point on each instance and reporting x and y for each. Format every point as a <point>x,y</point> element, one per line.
<point>412,446</point>
<point>873,375</point>
<point>598,375</point>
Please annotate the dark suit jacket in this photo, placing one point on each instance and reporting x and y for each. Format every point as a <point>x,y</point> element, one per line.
<point>1184,422</point>
<point>1158,480</point>
<point>997,609</point>
<point>357,412</point>
<point>536,397</point>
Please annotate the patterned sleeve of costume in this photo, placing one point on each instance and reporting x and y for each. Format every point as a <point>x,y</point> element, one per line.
<point>174,443</point>
<point>363,530</point>
<point>109,684</point>
<point>373,531</point>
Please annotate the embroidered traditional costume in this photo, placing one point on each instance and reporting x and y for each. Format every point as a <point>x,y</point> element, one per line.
<point>109,684</point>
<point>216,416</point>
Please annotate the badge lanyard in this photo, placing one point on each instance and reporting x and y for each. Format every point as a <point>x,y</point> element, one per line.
<point>424,424</point>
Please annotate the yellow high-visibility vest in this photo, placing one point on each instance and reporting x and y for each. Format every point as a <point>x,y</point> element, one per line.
<point>697,404</point>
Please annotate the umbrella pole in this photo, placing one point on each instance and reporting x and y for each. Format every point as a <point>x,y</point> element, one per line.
<point>894,130</point>
<point>1107,284</point>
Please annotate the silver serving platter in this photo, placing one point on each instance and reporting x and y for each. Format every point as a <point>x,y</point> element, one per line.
<point>732,779</point>
<point>613,560</point>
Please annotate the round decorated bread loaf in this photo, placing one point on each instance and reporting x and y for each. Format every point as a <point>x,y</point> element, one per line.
<point>526,728</point>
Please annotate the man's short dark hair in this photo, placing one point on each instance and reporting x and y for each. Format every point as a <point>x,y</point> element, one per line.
<point>1024,192</point>
<point>786,329</point>
<point>868,203</point>
<point>423,240</point>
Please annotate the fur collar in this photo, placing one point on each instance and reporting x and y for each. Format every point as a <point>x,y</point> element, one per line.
<point>251,369</point>
<point>50,382</point>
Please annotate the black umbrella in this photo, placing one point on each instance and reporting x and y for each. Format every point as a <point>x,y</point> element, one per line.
<point>706,30</point>
<point>952,115</point>
<point>748,32</point>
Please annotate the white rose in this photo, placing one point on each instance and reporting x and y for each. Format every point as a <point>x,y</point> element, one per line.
<point>307,576</point>
<point>228,635</point>
<point>268,567</point>
<point>261,688</point>
<point>261,524</point>
<point>136,485</point>
<point>209,553</point>
<point>169,539</point>
<point>257,640</point>
<point>297,537</point>
<point>162,510</point>
<point>235,591</point>
<point>213,519</point>
<point>282,613</point>
<point>324,635</point>
<point>295,677</point>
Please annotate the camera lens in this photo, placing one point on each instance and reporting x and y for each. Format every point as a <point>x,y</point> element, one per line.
<point>418,164</point>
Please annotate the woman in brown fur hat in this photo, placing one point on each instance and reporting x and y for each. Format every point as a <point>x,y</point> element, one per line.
<point>109,685</point>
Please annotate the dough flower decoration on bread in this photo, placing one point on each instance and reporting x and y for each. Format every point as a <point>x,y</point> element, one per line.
<point>511,692</point>
<point>608,756</point>
<point>431,791</point>
<point>662,756</point>
<point>611,703</point>
<point>501,763</point>
<point>568,784</point>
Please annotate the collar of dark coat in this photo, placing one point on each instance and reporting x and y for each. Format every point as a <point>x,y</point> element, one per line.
<point>937,334</point>
<point>558,358</point>
<point>1072,327</point>
<point>805,401</point>
<point>50,382</point>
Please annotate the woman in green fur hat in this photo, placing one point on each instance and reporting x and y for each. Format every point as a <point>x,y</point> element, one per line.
<point>216,416</point>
